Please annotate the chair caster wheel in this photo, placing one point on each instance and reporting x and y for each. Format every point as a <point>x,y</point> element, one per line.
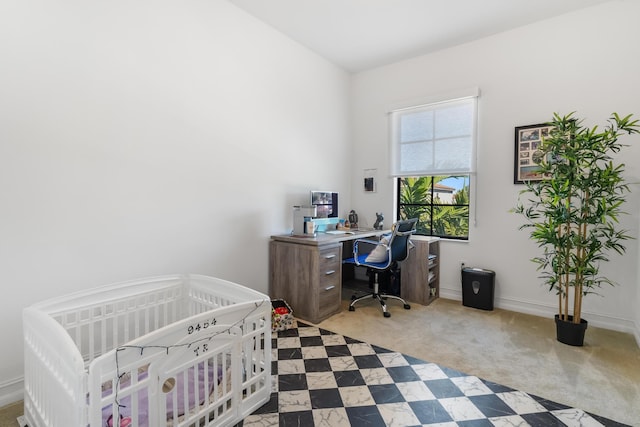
<point>352,308</point>
<point>407,306</point>
<point>387,314</point>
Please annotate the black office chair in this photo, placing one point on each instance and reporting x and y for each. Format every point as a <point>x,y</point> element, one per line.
<point>385,258</point>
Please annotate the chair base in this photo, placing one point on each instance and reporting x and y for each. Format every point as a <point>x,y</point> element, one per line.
<point>381,297</point>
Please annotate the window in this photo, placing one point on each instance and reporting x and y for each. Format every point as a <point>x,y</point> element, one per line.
<point>433,157</point>
<point>441,203</point>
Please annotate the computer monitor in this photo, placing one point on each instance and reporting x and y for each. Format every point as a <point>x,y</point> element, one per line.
<point>326,203</point>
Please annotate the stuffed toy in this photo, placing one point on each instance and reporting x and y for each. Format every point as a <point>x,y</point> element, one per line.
<point>378,224</point>
<point>124,421</point>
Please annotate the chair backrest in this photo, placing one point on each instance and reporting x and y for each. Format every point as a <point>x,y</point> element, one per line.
<point>401,232</point>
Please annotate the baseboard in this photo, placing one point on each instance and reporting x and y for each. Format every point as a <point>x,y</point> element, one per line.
<point>544,310</point>
<point>11,391</point>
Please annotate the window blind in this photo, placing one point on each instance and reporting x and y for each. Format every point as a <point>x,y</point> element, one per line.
<point>434,139</point>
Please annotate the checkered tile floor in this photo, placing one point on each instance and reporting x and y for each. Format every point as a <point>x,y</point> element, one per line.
<point>324,379</point>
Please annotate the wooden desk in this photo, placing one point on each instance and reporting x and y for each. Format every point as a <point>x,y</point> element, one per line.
<point>307,272</point>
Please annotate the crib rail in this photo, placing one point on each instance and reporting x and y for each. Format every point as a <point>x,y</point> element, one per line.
<point>55,378</point>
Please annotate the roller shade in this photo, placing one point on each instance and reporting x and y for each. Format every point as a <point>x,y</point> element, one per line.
<point>434,139</point>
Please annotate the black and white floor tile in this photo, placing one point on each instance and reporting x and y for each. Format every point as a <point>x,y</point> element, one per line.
<point>324,379</point>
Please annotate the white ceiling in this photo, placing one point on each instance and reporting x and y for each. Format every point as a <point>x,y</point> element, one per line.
<point>362,34</point>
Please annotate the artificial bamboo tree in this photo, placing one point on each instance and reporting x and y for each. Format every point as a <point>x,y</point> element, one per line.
<point>572,213</point>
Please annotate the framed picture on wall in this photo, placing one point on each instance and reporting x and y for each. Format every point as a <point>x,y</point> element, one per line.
<point>370,180</point>
<point>527,153</point>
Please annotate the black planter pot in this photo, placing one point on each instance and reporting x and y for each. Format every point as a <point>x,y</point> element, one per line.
<point>571,333</point>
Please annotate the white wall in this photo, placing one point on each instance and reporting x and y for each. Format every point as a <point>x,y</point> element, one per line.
<point>152,137</point>
<point>581,62</point>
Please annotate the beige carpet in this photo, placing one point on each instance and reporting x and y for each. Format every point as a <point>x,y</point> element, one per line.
<point>508,348</point>
<point>9,415</point>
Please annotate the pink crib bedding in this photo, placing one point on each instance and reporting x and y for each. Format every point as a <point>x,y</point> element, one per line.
<point>125,409</point>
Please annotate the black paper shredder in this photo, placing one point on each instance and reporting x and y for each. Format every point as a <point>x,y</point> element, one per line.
<point>478,286</point>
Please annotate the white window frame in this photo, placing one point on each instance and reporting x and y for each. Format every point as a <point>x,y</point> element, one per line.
<point>466,93</point>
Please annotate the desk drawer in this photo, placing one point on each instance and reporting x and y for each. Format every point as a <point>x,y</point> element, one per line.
<point>330,260</point>
<point>329,299</point>
<point>329,281</point>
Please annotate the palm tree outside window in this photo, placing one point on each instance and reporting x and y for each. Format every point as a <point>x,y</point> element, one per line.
<point>441,203</point>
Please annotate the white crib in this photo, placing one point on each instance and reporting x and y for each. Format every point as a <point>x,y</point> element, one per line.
<point>181,350</point>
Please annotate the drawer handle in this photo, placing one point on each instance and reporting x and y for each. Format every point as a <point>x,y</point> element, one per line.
<point>328,288</point>
<point>329,256</point>
<point>329,272</point>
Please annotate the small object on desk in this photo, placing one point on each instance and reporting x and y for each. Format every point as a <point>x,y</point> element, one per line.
<point>353,219</point>
<point>310,228</point>
<point>339,232</point>
<point>378,225</point>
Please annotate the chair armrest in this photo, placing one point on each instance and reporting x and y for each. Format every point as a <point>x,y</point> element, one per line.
<point>368,244</point>
<point>368,241</point>
<point>357,253</point>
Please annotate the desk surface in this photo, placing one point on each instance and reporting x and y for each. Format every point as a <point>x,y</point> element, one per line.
<point>326,238</point>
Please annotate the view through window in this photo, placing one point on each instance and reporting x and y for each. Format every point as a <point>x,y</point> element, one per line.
<point>441,203</point>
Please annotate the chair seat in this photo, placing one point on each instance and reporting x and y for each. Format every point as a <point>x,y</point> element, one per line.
<point>362,261</point>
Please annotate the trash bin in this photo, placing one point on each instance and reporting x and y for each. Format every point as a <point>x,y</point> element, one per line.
<point>478,286</point>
